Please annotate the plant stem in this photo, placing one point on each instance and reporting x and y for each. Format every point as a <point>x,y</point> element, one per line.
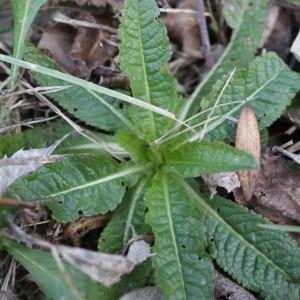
<point>204,34</point>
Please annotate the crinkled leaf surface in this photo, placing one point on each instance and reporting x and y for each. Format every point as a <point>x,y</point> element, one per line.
<point>144,51</point>
<point>241,49</point>
<point>262,260</point>
<point>196,158</point>
<point>94,109</point>
<point>184,271</point>
<point>130,212</point>
<point>45,272</point>
<point>24,12</point>
<point>268,87</point>
<point>91,185</point>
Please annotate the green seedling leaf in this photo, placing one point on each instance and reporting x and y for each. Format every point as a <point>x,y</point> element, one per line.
<point>179,242</point>
<point>128,215</point>
<point>44,270</point>
<point>23,12</point>
<point>194,159</point>
<point>262,260</point>
<point>91,185</point>
<point>239,52</point>
<point>144,52</point>
<point>136,147</point>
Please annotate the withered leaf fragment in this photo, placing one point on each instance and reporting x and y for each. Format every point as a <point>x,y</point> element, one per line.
<point>248,139</point>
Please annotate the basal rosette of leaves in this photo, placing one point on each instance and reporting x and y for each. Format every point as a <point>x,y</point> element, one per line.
<point>155,191</point>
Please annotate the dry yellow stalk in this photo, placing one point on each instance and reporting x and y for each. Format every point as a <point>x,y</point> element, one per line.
<point>248,139</point>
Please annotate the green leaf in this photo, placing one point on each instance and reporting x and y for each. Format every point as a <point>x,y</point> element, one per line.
<point>233,11</point>
<point>136,147</point>
<point>241,49</point>
<point>194,159</point>
<point>262,260</point>
<point>144,51</point>
<point>24,12</point>
<point>268,87</point>
<point>45,272</point>
<point>91,185</point>
<point>129,282</point>
<point>184,271</point>
<point>94,109</point>
<point>130,212</point>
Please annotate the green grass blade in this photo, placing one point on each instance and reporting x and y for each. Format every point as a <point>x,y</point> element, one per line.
<point>85,84</point>
<point>144,52</point>
<point>183,269</point>
<point>24,13</point>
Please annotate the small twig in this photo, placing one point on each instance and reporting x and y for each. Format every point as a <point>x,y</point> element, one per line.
<point>25,123</point>
<point>61,18</point>
<point>204,34</point>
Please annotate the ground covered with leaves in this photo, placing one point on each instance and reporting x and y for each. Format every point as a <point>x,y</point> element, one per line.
<point>124,174</point>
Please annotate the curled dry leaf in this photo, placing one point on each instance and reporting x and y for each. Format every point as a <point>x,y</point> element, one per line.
<point>227,180</point>
<point>101,267</point>
<point>248,139</point>
<point>105,268</point>
<point>24,162</point>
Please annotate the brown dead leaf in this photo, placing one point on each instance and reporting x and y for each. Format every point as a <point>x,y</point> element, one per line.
<point>57,42</point>
<point>78,50</point>
<point>227,180</point>
<point>276,194</point>
<point>248,139</point>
